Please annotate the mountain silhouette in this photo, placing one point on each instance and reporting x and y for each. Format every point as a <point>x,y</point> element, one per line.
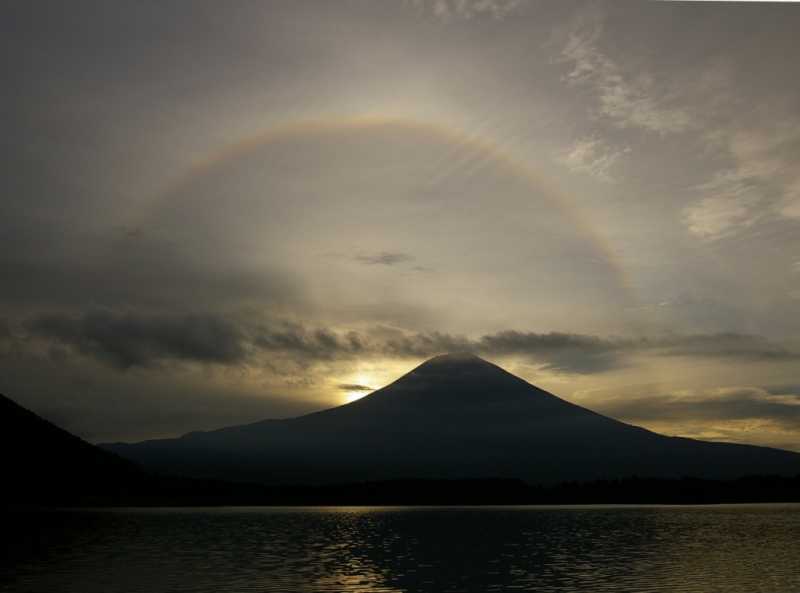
<point>455,416</point>
<point>43,463</point>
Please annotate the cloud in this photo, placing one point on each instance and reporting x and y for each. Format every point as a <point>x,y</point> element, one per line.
<point>128,232</point>
<point>371,258</point>
<point>753,139</point>
<point>730,207</point>
<point>587,354</point>
<point>726,403</point>
<point>384,258</point>
<point>447,10</point>
<point>726,345</point>
<point>760,178</point>
<point>310,344</point>
<point>355,387</point>
<point>560,352</point>
<point>592,155</point>
<point>5,328</point>
<point>126,339</point>
<point>641,101</point>
<point>711,405</point>
<point>789,207</point>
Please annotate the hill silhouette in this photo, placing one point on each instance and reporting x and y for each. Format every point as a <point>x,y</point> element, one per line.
<point>454,417</point>
<point>43,463</point>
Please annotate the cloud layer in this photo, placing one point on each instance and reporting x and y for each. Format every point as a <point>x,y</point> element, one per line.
<point>124,339</point>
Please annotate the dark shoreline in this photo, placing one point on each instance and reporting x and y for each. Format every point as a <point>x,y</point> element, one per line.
<point>155,490</point>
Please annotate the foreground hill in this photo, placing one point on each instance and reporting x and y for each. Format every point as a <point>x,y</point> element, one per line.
<point>454,417</point>
<point>45,464</point>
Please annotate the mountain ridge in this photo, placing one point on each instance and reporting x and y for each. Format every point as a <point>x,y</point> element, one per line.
<point>454,416</point>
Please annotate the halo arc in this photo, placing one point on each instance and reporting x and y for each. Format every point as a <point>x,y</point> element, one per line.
<point>297,129</point>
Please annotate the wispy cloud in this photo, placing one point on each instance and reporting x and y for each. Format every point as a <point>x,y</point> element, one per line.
<point>757,157</point>
<point>447,10</point>
<point>789,205</point>
<point>383,258</point>
<point>130,233</point>
<point>642,101</point>
<point>592,155</point>
<point>720,215</point>
<point>372,258</point>
<point>761,179</point>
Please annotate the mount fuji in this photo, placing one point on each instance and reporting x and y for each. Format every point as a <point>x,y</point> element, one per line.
<point>454,416</point>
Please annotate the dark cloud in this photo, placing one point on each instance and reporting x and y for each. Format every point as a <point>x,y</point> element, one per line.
<point>383,258</point>
<point>541,346</point>
<point>5,328</point>
<point>588,354</point>
<point>564,352</point>
<point>146,273</point>
<point>320,343</point>
<point>130,233</point>
<point>355,387</point>
<point>125,339</point>
<point>371,258</point>
<point>715,405</point>
<point>726,345</point>
<point>572,353</point>
<point>423,345</point>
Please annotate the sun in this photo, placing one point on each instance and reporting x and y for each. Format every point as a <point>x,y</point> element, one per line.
<point>357,388</point>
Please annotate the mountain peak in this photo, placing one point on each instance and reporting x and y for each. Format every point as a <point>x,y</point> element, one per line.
<point>463,356</point>
<point>455,362</point>
<point>457,379</point>
<point>460,361</point>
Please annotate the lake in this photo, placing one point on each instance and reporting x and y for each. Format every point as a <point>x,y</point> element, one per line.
<point>381,549</point>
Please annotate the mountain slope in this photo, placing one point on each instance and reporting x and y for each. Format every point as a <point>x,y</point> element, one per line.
<point>43,463</point>
<point>455,416</point>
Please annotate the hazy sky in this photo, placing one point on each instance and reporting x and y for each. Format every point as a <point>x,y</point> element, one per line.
<point>213,213</point>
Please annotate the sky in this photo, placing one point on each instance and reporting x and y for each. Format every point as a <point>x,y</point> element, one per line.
<point>213,213</point>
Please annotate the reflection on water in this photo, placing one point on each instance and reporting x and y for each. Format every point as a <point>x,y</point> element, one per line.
<point>676,549</point>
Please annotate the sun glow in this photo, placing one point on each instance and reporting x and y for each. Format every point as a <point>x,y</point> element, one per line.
<point>356,395</point>
<point>360,386</point>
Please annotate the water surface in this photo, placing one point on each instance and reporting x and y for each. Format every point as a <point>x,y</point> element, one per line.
<point>298,550</point>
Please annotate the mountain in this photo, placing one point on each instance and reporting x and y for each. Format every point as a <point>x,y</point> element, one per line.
<point>454,416</point>
<point>44,464</point>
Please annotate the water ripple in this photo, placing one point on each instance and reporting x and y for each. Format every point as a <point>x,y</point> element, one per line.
<point>382,550</point>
